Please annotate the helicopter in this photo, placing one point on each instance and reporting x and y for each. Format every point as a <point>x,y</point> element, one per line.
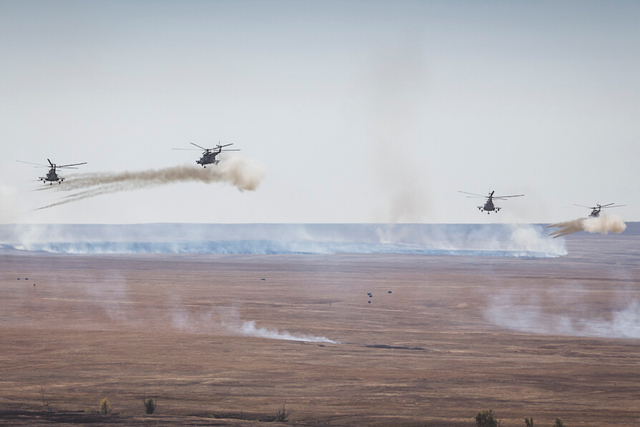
<point>52,176</point>
<point>488,205</point>
<point>595,210</point>
<point>209,154</point>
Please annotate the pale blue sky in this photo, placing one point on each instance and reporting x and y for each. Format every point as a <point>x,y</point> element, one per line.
<point>362,111</point>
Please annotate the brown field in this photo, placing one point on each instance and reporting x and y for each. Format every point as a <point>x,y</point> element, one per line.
<point>432,353</point>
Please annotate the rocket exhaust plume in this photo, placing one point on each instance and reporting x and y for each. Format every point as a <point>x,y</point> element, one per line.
<point>244,174</point>
<point>602,224</point>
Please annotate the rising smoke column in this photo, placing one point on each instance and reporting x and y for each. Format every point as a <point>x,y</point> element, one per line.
<point>244,174</point>
<point>602,224</point>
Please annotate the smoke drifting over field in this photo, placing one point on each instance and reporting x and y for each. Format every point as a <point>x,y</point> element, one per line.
<point>602,224</point>
<point>529,311</point>
<point>501,240</point>
<point>244,174</point>
<point>226,320</point>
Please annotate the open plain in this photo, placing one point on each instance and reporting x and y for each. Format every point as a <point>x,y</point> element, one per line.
<point>228,339</point>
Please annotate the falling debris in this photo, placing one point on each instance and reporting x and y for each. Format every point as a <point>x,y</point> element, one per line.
<point>389,291</point>
<point>244,174</point>
<point>601,224</point>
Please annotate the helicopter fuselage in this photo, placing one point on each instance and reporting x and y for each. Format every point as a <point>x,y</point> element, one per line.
<point>488,207</point>
<point>208,158</point>
<point>52,177</point>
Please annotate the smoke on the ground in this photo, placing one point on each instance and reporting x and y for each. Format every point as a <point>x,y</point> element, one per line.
<point>538,311</point>
<point>227,320</point>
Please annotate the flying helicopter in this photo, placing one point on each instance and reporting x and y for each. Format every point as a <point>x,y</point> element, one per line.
<point>595,210</point>
<point>52,176</point>
<point>488,205</point>
<point>209,154</point>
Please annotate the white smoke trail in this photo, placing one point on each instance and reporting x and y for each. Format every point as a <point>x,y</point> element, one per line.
<point>249,329</point>
<point>227,320</point>
<point>244,174</point>
<point>602,224</point>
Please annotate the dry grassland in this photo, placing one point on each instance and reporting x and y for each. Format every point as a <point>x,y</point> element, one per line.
<point>430,353</point>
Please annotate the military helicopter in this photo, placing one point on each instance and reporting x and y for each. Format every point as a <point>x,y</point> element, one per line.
<point>209,154</point>
<point>489,206</point>
<point>52,176</point>
<point>595,210</point>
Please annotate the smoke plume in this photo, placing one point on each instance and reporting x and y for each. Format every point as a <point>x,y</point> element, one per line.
<point>227,320</point>
<point>602,224</point>
<point>244,174</point>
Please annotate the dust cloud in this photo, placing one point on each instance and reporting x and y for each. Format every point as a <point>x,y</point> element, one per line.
<point>603,224</point>
<point>244,174</point>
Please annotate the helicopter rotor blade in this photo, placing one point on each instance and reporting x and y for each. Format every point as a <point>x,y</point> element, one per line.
<point>231,149</point>
<point>506,197</point>
<point>35,164</point>
<point>202,148</point>
<point>72,164</point>
<point>52,165</point>
<point>613,206</point>
<point>474,194</point>
<point>225,145</point>
<point>588,207</point>
<point>605,206</point>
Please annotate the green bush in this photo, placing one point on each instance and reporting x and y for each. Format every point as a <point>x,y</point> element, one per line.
<point>149,405</point>
<point>558,423</point>
<point>528,422</point>
<point>105,406</point>
<point>486,418</point>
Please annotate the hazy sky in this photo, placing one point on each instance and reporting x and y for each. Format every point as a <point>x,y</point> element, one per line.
<point>362,111</point>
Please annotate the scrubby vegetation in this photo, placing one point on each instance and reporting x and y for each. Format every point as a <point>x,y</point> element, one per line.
<point>283,416</point>
<point>528,422</point>
<point>45,404</point>
<point>486,418</point>
<point>149,405</point>
<point>105,406</point>
<point>558,423</point>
